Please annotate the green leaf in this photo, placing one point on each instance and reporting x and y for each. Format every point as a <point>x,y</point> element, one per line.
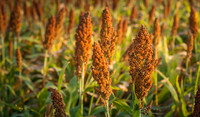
<point>28,82</point>
<point>11,89</point>
<point>97,110</point>
<point>122,105</point>
<point>61,76</point>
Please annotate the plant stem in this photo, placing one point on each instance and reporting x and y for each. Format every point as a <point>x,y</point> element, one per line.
<point>82,88</point>
<point>107,108</point>
<point>45,68</point>
<point>156,79</point>
<point>21,89</point>
<point>90,108</point>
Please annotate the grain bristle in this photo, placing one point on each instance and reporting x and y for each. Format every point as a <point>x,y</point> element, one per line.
<point>83,38</point>
<point>108,36</point>
<point>100,72</point>
<point>50,33</point>
<point>142,63</point>
<point>58,104</point>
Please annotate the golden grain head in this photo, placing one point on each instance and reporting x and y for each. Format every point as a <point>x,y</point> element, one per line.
<point>19,58</point>
<point>83,38</point>
<point>175,25</point>
<point>100,72</point>
<point>141,62</point>
<point>193,22</point>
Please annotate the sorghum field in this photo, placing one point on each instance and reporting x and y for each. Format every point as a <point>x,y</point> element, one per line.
<point>100,58</point>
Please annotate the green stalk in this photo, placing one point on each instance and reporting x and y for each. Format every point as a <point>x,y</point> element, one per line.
<point>90,108</point>
<point>21,89</point>
<point>107,108</point>
<point>156,79</point>
<point>82,88</point>
<point>45,68</point>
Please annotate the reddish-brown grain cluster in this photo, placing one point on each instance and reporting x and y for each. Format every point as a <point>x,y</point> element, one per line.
<point>151,13</point>
<point>193,22</point>
<point>39,9</point>
<point>15,19</point>
<point>108,35</point>
<point>100,72</point>
<point>83,43</point>
<point>142,63</point>
<point>50,33</point>
<point>156,32</point>
<point>196,111</point>
<point>146,3</point>
<point>125,24</point>
<point>120,31</point>
<point>115,3</point>
<point>175,25</point>
<point>133,13</point>
<point>19,58</point>
<point>59,22</point>
<point>3,18</point>
<point>27,10</point>
<point>71,20</point>
<point>190,46</point>
<point>58,104</point>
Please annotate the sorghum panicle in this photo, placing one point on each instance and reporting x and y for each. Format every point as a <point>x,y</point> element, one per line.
<point>169,6</point>
<point>15,19</point>
<point>156,31</point>
<point>151,13</point>
<point>71,20</point>
<point>115,3</point>
<point>162,30</point>
<point>3,18</point>
<point>120,31</point>
<point>190,46</point>
<point>50,33</point>
<point>125,24</point>
<point>27,10</point>
<point>175,25</point>
<point>196,111</point>
<point>59,21</point>
<point>108,36</point>
<point>133,13</point>
<point>142,63</point>
<point>165,9</point>
<point>146,3</point>
<point>39,9</point>
<point>83,38</point>
<point>58,104</point>
<point>193,22</point>
<point>96,2</point>
<point>19,58</point>
<point>33,13</point>
<point>100,72</point>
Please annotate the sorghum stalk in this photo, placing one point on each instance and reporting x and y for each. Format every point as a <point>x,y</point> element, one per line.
<point>156,43</point>
<point>107,108</point>
<point>142,63</point>
<point>83,45</point>
<point>101,74</point>
<point>48,43</point>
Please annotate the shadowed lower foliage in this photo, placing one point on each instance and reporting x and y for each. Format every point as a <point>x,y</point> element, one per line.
<point>196,112</point>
